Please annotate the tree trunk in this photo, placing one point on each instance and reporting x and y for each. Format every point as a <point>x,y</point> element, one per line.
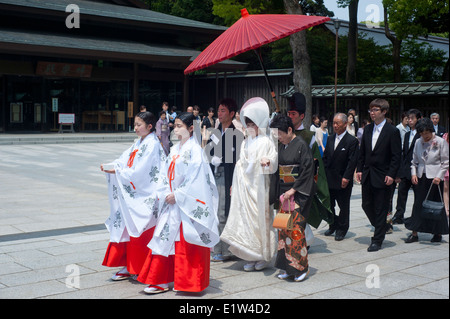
<point>302,69</point>
<point>352,47</point>
<point>396,44</point>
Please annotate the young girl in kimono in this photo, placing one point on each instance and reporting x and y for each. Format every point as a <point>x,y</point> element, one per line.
<point>132,180</point>
<point>187,228</point>
<point>249,230</point>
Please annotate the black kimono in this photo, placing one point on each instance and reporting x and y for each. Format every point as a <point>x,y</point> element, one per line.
<point>296,170</point>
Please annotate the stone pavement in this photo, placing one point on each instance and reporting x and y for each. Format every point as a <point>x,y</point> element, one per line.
<point>53,203</point>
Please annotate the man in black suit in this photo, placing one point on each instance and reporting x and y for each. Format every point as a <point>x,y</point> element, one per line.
<point>223,149</point>
<point>340,158</point>
<point>378,163</point>
<point>404,173</point>
<point>440,130</point>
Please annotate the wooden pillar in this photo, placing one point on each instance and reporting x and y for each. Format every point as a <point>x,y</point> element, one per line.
<point>217,89</point>
<point>225,93</point>
<point>185,93</point>
<point>135,88</point>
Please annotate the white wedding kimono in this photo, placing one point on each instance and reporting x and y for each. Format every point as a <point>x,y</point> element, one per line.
<point>132,189</point>
<point>188,175</point>
<point>249,230</point>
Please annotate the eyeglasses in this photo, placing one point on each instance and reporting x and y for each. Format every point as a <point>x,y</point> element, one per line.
<point>374,110</point>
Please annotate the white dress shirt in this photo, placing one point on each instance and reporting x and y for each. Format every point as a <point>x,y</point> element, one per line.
<point>376,132</point>
<point>411,137</point>
<point>338,139</point>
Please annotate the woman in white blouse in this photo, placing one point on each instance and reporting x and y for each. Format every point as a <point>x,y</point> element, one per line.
<point>351,125</point>
<point>428,167</point>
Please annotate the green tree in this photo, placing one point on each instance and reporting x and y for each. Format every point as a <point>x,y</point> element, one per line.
<point>413,18</point>
<point>422,62</point>
<point>230,10</point>
<point>199,10</point>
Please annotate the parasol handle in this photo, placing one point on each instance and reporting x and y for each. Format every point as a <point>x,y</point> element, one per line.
<point>258,54</point>
<point>277,107</point>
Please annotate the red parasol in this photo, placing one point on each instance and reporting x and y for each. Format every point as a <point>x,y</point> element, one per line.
<point>249,33</point>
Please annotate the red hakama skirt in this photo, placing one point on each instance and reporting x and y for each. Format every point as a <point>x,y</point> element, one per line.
<point>130,254</point>
<point>188,268</point>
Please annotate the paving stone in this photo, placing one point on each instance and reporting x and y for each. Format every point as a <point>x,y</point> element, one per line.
<point>54,204</point>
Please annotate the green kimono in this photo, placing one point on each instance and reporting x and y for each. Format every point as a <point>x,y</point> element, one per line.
<point>321,206</point>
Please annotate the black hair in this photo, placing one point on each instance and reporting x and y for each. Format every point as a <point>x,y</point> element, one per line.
<point>248,121</point>
<point>230,104</point>
<point>424,124</point>
<point>161,113</point>
<point>381,103</point>
<point>282,122</point>
<point>148,118</point>
<point>211,109</point>
<point>187,118</point>
<point>416,112</point>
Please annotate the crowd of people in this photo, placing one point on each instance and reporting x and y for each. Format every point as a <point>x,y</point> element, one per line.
<point>212,195</point>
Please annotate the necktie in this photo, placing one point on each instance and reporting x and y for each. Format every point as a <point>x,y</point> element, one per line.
<point>411,137</point>
<point>336,141</point>
<point>376,133</point>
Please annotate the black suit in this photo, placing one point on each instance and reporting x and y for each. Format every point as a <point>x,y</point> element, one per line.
<point>230,155</point>
<point>340,162</point>
<point>441,131</point>
<point>226,146</point>
<point>384,160</point>
<point>405,174</point>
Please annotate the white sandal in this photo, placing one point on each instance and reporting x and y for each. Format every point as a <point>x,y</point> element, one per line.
<point>302,276</point>
<point>156,289</point>
<point>250,266</point>
<point>260,265</point>
<point>121,275</point>
<point>283,275</point>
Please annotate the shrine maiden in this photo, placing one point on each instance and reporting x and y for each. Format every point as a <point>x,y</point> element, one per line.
<point>132,184</point>
<point>187,226</point>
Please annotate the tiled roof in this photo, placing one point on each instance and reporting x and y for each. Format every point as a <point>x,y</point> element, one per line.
<point>379,90</point>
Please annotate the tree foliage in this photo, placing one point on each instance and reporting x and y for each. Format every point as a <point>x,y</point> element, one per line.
<point>417,17</point>
<point>373,62</point>
<point>230,10</point>
<point>413,18</point>
<point>199,10</point>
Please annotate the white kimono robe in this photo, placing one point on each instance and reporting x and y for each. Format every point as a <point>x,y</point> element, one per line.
<point>249,230</point>
<point>132,189</point>
<point>187,174</point>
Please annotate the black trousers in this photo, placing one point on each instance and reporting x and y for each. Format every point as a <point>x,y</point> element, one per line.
<point>402,197</point>
<point>342,198</point>
<point>375,203</point>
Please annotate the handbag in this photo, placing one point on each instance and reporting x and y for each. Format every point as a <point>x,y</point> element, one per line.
<point>432,210</point>
<point>283,219</point>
